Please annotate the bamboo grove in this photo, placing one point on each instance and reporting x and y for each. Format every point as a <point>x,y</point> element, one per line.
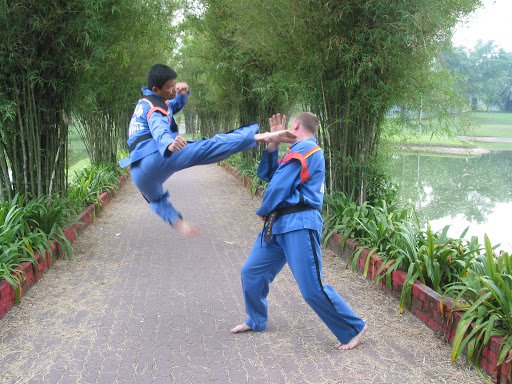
<point>349,61</point>
<point>77,63</point>
<point>81,64</point>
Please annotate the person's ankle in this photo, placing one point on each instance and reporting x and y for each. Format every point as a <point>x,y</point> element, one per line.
<point>186,229</point>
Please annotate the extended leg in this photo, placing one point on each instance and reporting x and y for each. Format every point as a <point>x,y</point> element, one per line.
<point>152,190</point>
<point>302,250</point>
<point>220,147</point>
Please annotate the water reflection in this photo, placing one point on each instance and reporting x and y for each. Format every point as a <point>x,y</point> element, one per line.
<point>460,191</point>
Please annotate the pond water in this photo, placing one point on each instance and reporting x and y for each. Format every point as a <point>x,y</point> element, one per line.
<point>474,191</point>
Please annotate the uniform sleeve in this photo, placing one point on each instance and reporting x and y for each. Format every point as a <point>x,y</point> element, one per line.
<point>268,165</point>
<point>283,185</point>
<point>178,103</point>
<point>161,132</point>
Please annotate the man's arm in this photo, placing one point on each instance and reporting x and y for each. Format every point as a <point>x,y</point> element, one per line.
<point>180,100</point>
<point>161,132</point>
<point>268,165</point>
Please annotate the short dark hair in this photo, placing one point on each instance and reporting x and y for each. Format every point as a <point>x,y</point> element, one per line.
<point>160,74</point>
<point>308,121</point>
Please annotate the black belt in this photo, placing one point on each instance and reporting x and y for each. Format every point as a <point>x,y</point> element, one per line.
<point>274,215</point>
<point>140,139</point>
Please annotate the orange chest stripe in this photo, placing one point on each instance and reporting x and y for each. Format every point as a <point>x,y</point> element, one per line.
<point>153,109</point>
<point>304,172</point>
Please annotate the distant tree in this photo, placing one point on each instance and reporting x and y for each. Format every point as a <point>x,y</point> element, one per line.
<point>483,71</point>
<point>506,97</point>
<point>506,93</point>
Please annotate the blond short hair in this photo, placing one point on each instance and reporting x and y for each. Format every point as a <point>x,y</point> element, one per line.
<point>309,121</point>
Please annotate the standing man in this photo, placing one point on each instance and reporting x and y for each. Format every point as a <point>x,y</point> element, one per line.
<point>292,233</point>
<point>157,150</point>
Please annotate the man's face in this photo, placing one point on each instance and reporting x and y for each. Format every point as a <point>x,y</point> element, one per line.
<point>168,91</point>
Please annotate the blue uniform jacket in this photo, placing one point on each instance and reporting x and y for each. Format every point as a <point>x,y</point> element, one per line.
<point>158,125</point>
<point>287,186</point>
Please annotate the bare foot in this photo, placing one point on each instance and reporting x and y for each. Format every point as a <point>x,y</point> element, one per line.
<point>352,343</point>
<point>276,137</point>
<point>186,229</point>
<point>241,328</point>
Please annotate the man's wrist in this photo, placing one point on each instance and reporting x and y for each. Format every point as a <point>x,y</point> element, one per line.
<point>272,147</point>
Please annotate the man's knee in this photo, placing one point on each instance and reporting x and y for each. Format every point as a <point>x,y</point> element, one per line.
<point>313,296</point>
<point>247,272</point>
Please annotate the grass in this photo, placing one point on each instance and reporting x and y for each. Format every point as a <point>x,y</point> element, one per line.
<point>79,164</point>
<point>493,131</point>
<point>493,118</point>
<point>77,153</point>
<point>496,124</point>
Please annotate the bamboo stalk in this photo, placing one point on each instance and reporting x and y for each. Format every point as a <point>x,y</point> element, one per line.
<point>37,147</point>
<point>29,119</point>
<point>5,183</point>
<point>22,142</point>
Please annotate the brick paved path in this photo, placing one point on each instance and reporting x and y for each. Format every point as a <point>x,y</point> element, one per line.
<point>139,304</point>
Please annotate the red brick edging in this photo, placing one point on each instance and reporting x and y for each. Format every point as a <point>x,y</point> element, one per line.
<point>426,304</point>
<point>32,273</point>
<point>245,180</point>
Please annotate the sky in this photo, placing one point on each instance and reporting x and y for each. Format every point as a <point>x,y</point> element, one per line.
<point>491,22</point>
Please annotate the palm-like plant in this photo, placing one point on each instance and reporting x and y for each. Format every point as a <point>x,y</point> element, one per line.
<point>432,258</point>
<point>484,293</point>
<point>51,215</point>
<point>87,185</point>
<point>341,216</point>
<point>17,242</point>
<point>29,227</point>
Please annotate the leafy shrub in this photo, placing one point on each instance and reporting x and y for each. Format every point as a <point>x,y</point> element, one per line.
<point>341,216</point>
<point>90,182</point>
<point>480,283</point>
<point>484,293</point>
<point>27,227</point>
<point>247,167</point>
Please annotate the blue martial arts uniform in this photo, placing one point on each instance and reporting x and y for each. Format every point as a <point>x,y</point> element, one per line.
<point>150,133</point>
<point>296,189</point>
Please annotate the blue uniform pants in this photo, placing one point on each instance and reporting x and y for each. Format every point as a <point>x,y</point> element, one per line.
<point>301,250</point>
<point>149,173</point>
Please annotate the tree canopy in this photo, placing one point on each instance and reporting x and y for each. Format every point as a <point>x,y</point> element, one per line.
<point>347,61</point>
